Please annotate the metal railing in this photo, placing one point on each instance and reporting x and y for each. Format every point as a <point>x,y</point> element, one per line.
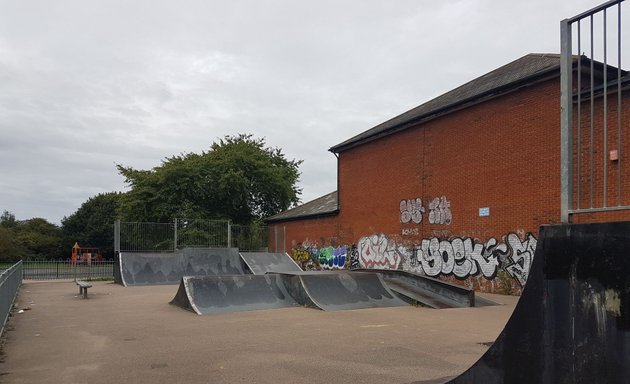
<point>10,281</point>
<point>591,112</point>
<point>66,270</point>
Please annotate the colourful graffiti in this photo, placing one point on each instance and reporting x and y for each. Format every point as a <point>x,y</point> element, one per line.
<point>303,258</point>
<point>460,258</point>
<point>377,252</point>
<point>332,258</point>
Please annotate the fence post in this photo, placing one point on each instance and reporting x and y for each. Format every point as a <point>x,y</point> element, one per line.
<point>229,234</point>
<point>117,236</point>
<point>174,234</point>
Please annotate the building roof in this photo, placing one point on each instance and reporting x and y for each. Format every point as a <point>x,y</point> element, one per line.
<point>322,206</point>
<point>523,71</point>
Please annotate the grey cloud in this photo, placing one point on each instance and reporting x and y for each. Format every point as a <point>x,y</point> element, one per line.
<point>86,85</point>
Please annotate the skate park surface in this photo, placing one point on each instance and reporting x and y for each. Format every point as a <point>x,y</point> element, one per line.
<point>133,335</point>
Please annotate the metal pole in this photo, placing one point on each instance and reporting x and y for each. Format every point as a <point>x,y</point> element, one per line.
<point>619,104</point>
<point>174,234</point>
<point>229,230</point>
<point>605,71</point>
<point>592,87</point>
<point>117,236</point>
<point>566,91</point>
<point>579,116</point>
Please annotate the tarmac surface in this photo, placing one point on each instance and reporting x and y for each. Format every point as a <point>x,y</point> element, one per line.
<point>132,335</point>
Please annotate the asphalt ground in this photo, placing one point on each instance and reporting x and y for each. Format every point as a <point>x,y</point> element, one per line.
<point>132,335</point>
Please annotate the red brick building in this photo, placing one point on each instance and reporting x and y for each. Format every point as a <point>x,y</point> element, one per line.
<point>457,187</point>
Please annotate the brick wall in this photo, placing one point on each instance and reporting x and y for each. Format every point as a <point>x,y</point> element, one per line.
<point>413,199</point>
<point>502,155</point>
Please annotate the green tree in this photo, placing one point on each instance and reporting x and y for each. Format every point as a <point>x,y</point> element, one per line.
<point>7,220</point>
<point>33,238</point>
<point>11,250</point>
<point>40,238</point>
<point>239,179</point>
<point>92,225</point>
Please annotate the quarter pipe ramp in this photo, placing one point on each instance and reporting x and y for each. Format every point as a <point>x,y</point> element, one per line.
<point>169,268</point>
<point>572,323</point>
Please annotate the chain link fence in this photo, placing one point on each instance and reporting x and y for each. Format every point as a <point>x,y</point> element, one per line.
<point>188,233</point>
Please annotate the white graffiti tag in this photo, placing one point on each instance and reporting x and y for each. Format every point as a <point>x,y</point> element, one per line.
<point>460,257</point>
<point>522,256</point>
<point>440,211</point>
<point>411,211</point>
<point>377,252</point>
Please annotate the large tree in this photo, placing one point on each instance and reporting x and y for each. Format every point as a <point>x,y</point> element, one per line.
<point>32,238</point>
<point>239,178</point>
<point>92,225</point>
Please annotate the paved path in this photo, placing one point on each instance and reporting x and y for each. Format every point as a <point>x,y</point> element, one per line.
<point>132,335</point>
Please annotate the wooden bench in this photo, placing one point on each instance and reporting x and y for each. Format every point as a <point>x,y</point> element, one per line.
<point>83,288</point>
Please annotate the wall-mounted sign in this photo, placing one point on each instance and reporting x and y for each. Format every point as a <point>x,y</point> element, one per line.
<point>483,212</point>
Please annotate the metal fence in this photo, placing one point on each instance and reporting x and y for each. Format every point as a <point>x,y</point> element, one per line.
<point>187,233</point>
<point>66,270</point>
<point>137,237</point>
<point>202,233</point>
<point>10,281</point>
<point>592,127</point>
<point>249,237</point>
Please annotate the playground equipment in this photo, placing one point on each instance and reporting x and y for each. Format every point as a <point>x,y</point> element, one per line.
<point>85,255</point>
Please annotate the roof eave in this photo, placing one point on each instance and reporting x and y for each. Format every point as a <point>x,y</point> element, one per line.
<point>302,217</point>
<point>543,75</point>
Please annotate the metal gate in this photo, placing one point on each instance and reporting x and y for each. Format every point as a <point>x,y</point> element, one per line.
<point>594,173</point>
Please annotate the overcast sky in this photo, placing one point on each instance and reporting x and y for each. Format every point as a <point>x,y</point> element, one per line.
<point>85,85</point>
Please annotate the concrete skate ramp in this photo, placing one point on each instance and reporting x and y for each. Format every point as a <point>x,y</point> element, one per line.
<point>334,291</point>
<point>427,291</point>
<point>219,294</point>
<point>572,323</point>
<point>169,268</point>
<point>263,262</point>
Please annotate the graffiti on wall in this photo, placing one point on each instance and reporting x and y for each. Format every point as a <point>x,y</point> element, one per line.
<point>310,257</point>
<point>332,258</point>
<point>377,251</point>
<point>459,257</point>
<point>302,257</point>
<point>465,257</point>
<point>440,211</point>
<point>411,211</point>
<point>354,258</point>
<point>521,257</point>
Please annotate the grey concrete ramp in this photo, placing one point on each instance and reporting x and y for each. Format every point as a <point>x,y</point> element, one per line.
<point>220,294</point>
<point>137,268</point>
<point>264,262</point>
<point>572,323</point>
<point>334,291</point>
